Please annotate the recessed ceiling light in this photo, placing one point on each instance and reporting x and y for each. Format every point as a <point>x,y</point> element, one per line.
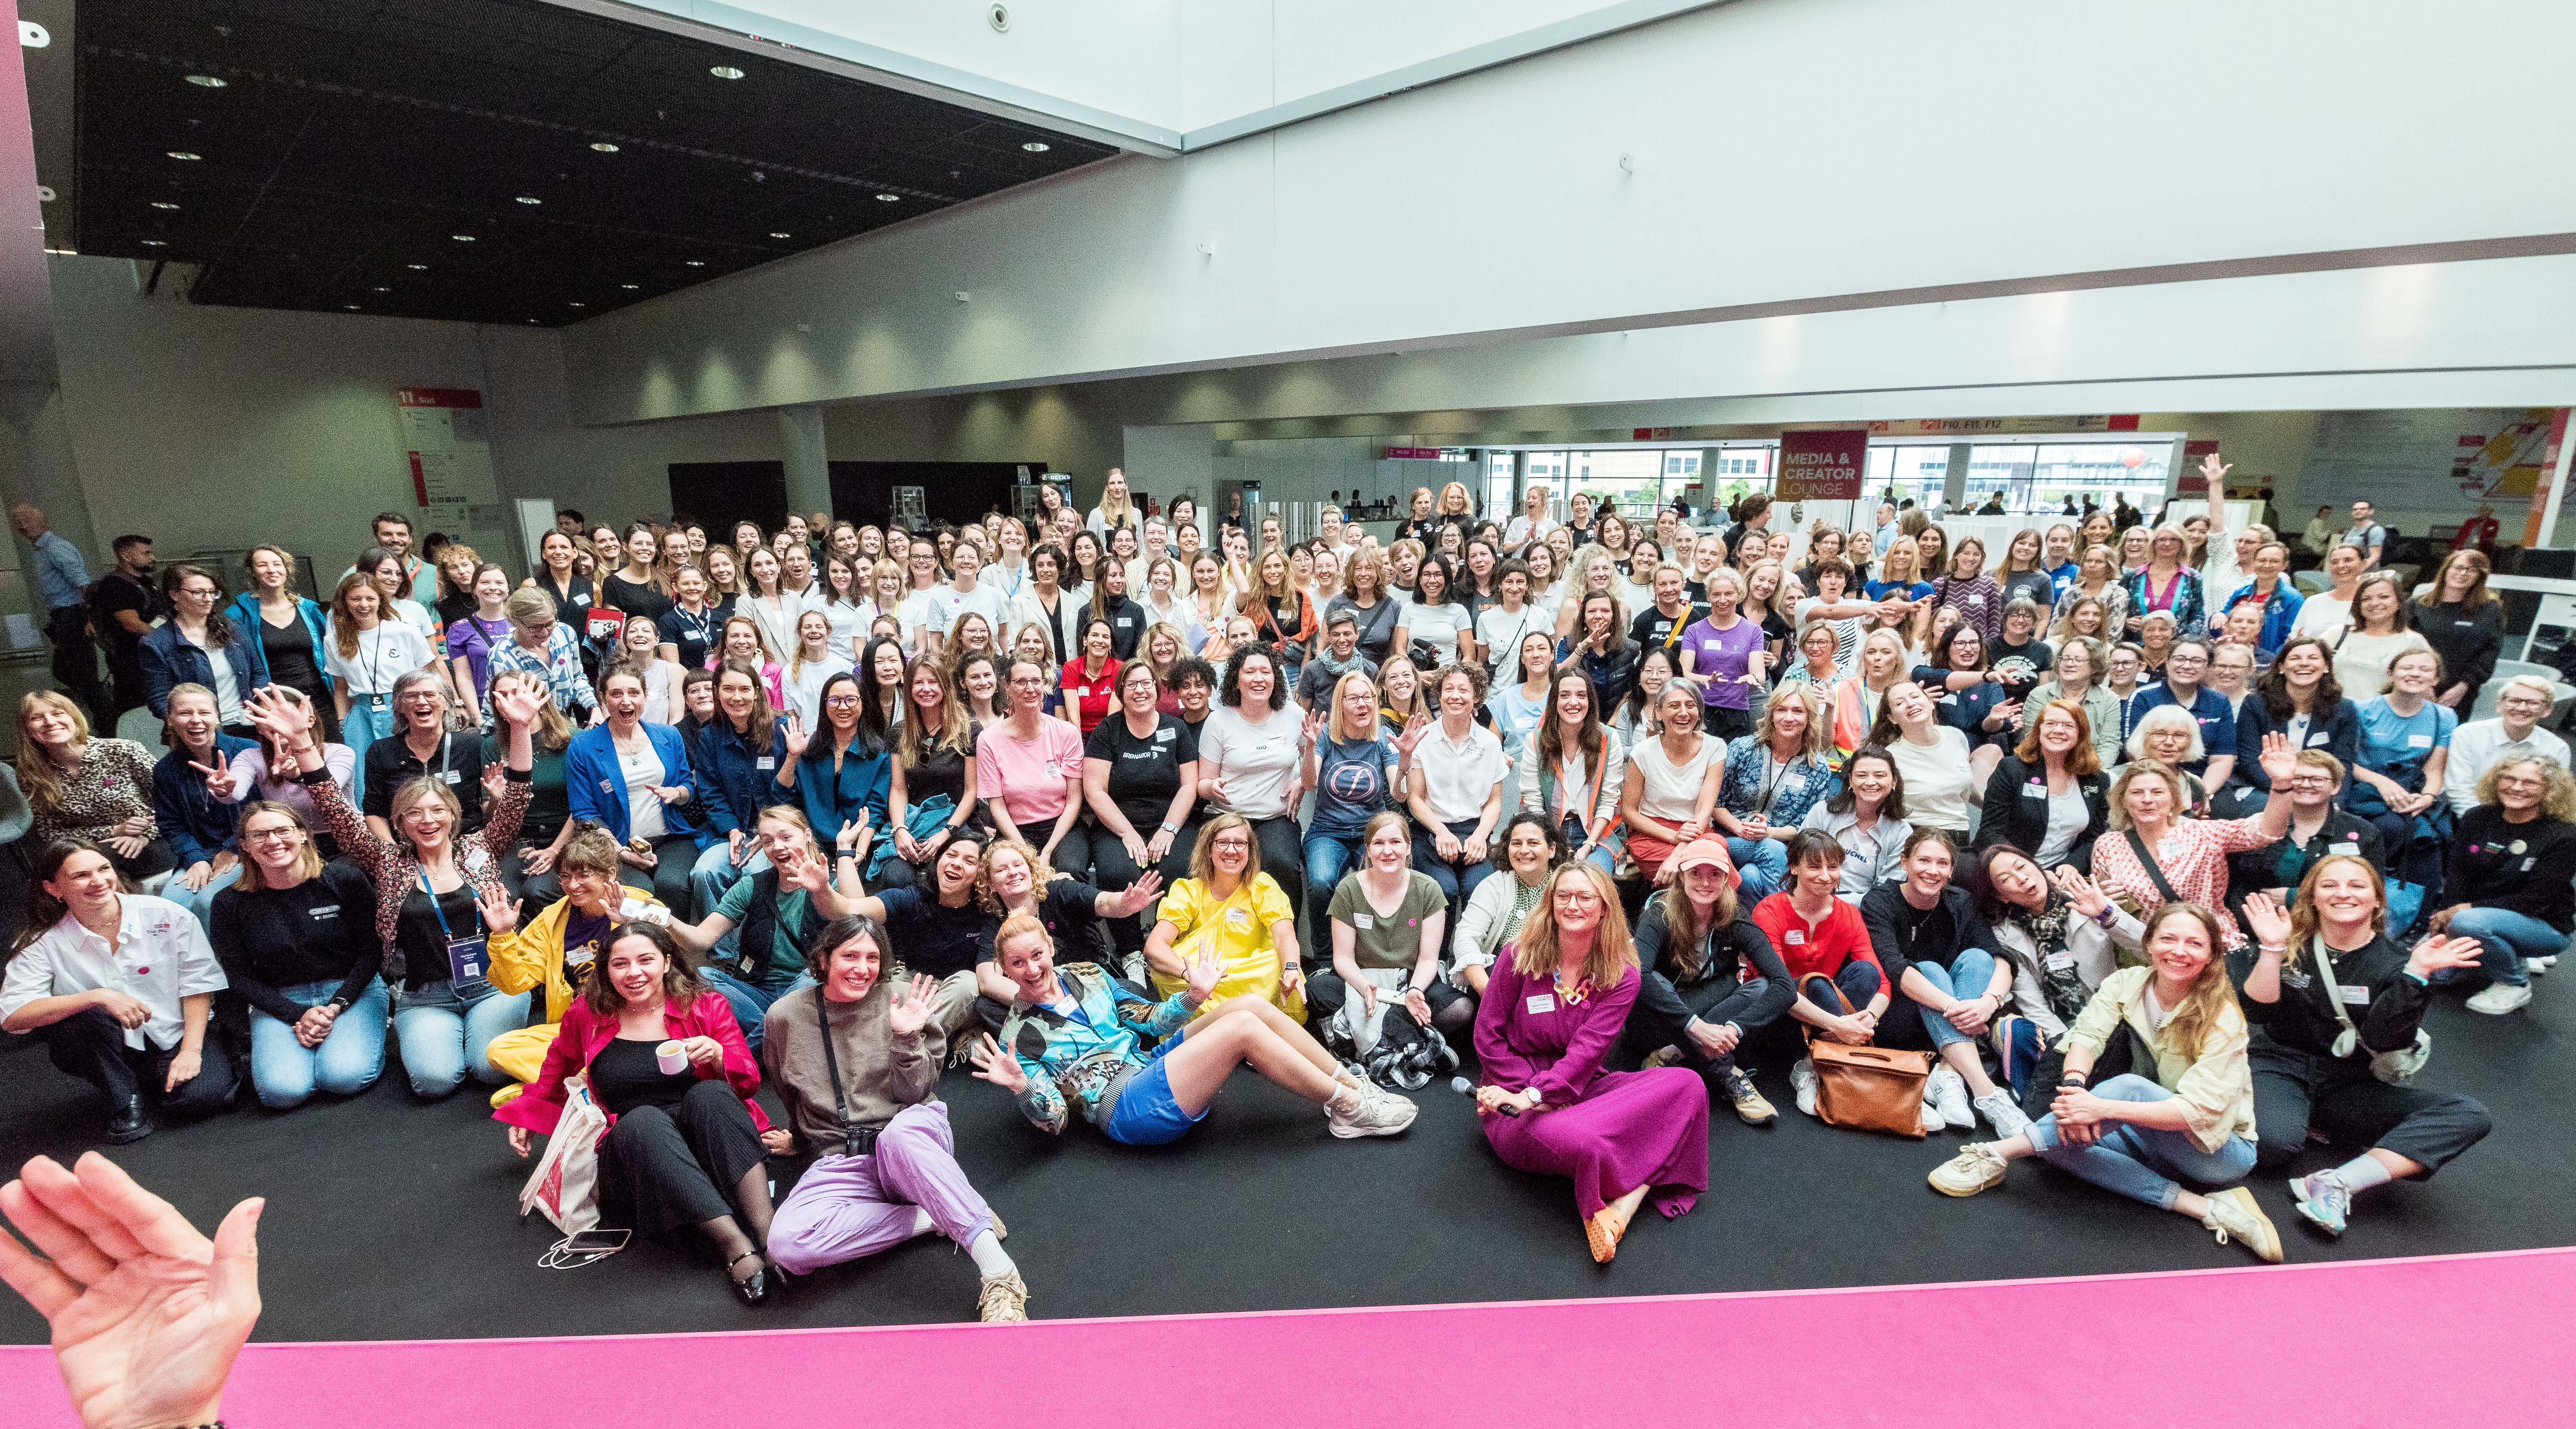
<point>353,307</point>
<point>530,199</point>
<point>154,243</point>
<point>462,237</point>
<point>532,319</point>
<point>889,198</point>
<point>164,203</point>
<point>725,72</point>
<point>577,305</point>
<point>782,235</point>
<point>603,147</point>
<point>630,287</point>
<point>417,267</point>
<point>380,290</point>
<point>694,263</point>
<point>208,81</point>
<point>1034,147</point>
<point>183,156</point>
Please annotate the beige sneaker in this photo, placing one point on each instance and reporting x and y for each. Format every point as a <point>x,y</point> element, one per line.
<point>1665,1056</point>
<point>1976,1167</point>
<point>1368,1111</point>
<point>1003,1300</point>
<point>1753,1108</point>
<point>2233,1214</point>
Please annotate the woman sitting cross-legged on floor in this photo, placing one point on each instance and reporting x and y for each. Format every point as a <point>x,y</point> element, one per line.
<point>1078,1037</point>
<point>1388,923</point>
<point>1557,1000</point>
<point>2136,1133</point>
<point>556,948</point>
<point>885,1167</point>
<point>2329,996</point>
<point>682,1147</point>
<point>1709,977</point>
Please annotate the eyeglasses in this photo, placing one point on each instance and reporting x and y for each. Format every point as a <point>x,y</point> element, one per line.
<point>841,701</point>
<point>286,831</point>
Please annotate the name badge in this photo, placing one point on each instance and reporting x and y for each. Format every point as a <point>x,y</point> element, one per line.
<point>380,703</point>
<point>1162,736</point>
<point>1363,920</point>
<point>2527,863</point>
<point>324,913</point>
<point>468,960</point>
<point>607,786</point>
<point>2357,996</point>
<point>2060,962</point>
<point>1082,692</point>
<point>448,774</point>
<point>1542,1002</point>
<point>765,762</point>
<point>1795,937</point>
<point>2419,741</point>
<point>2346,850</point>
<point>1125,622</point>
<point>2319,741</point>
<point>1238,919</point>
<point>2035,789</point>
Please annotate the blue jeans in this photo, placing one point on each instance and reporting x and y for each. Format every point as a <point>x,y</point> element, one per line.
<point>713,874</point>
<point>444,1036</point>
<point>2136,1161</point>
<point>2509,938</point>
<point>1606,857</point>
<point>285,1072</point>
<point>363,727</point>
<point>200,902</point>
<point>1762,863</point>
<point>1968,976</point>
<point>750,1000</point>
<point>1328,857</point>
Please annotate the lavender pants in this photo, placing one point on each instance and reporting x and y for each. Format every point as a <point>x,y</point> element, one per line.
<point>846,1207</point>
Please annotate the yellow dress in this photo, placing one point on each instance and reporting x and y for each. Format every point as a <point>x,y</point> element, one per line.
<point>1239,930</point>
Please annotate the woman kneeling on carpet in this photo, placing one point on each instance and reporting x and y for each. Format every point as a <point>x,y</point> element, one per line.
<point>2135,1133</point>
<point>1554,1006</point>
<point>683,1146</point>
<point>2316,1060</point>
<point>1076,1038</point>
<point>885,1168</point>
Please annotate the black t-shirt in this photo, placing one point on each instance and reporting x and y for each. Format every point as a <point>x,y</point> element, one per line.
<point>117,591</point>
<point>1144,774</point>
<point>2519,868</point>
<point>635,597</point>
<point>453,608</point>
<point>1653,627</point>
<point>628,1073</point>
<point>570,603</point>
<point>1070,909</point>
<point>939,770</point>
<point>695,635</point>
<point>321,930</point>
<point>421,940</point>
<point>930,937</point>
<point>2024,667</point>
<point>457,762</point>
<point>290,656</point>
<point>585,937</point>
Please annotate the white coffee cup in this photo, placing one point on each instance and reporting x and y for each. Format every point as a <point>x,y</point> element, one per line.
<point>672,1058</point>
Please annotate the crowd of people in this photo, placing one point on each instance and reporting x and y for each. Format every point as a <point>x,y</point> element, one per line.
<point>2156,863</point>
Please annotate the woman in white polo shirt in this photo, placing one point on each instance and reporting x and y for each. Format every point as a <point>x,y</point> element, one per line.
<point>1250,760</point>
<point>1456,790</point>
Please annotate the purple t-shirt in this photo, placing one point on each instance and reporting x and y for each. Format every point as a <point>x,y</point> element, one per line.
<point>1723,656</point>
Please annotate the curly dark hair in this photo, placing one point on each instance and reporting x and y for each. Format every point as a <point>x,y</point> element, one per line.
<point>681,984</point>
<point>1231,693</point>
<point>1501,856</point>
<point>2274,687</point>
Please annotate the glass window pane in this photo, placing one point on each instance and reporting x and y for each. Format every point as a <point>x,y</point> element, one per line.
<point>2101,471</point>
<point>1918,474</point>
<point>2000,469</point>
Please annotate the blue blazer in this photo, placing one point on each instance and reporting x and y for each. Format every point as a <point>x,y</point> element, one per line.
<point>595,786</point>
<point>865,782</point>
<point>730,780</point>
<point>169,662</point>
<point>197,824</point>
<point>244,612</point>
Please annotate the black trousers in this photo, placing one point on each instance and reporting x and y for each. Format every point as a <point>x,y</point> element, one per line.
<point>1725,722</point>
<point>667,879</point>
<point>1072,856</point>
<point>2296,1090</point>
<point>1283,857</point>
<point>1114,870</point>
<point>158,857</point>
<point>1452,1011</point>
<point>90,1045</point>
<point>661,1169</point>
<point>1662,1012</point>
<point>76,659</point>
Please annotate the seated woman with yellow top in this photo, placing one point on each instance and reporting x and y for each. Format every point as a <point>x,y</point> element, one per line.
<point>556,948</point>
<point>1228,906</point>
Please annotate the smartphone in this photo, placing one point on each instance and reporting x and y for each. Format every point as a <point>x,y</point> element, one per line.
<point>595,1242</point>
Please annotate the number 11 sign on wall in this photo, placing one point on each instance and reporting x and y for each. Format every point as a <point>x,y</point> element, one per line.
<point>1822,466</point>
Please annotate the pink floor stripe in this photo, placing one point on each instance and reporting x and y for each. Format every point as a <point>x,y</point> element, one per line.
<point>2454,1340</point>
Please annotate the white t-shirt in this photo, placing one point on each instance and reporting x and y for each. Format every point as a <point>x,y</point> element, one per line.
<point>932,609</point>
<point>1458,775</point>
<point>1256,761</point>
<point>849,624</point>
<point>1518,533</point>
<point>1936,779</point>
<point>983,600</point>
<point>641,767</point>
<point>2322,615</point>
<point>385,654</point>
<point>1438,624</point>
<point>1671,794</point>
<point>805,686</point>
<point>1846,632</point>
<point>1500,632</point>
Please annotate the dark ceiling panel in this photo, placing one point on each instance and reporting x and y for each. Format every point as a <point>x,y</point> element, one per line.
<point>351,141</point>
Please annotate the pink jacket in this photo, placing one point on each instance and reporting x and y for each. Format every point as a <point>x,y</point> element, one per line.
<point>584,1033</point>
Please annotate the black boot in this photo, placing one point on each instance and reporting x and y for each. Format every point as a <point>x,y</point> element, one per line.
<point>129,1122</point>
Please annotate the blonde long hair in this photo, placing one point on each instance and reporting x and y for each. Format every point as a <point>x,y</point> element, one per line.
<point>1614,952</point>
<point>2303,908</point>
<point>37,775</point>
<point>2212,997</point>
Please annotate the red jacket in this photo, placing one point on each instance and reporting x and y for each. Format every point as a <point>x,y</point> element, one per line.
<point>585,1033</point>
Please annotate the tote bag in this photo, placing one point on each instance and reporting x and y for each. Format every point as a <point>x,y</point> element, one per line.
<point>565,1184</point>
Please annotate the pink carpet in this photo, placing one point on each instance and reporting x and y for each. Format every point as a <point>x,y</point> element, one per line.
<point>2476,1339</point>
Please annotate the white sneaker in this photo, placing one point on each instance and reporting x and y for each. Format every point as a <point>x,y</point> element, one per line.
<point>2234,1216</point>
<point>1948,1093</point>
<point>2500,998</point>
<point>1999,1109</point>
<point>1368,1111</point>
<point>2537,966</point>
<point>1802,1080</point>
<point>1932,1122</point>
<point>1976,1167</point>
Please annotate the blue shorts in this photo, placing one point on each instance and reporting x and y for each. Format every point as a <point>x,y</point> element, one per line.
<point>1145,1114</point>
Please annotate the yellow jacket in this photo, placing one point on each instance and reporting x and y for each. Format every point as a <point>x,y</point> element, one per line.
<point>534,953</point>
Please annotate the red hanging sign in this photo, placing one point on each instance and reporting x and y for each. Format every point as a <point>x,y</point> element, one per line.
<point>1822,466</point>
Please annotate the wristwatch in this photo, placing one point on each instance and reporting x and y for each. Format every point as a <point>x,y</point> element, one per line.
<point>1171,828</point>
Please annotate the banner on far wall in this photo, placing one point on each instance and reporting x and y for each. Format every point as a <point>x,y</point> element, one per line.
<point>447,442</point>
<point>1822,466</point>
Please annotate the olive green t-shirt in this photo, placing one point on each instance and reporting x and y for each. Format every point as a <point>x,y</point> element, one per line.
<point>1388,940</point>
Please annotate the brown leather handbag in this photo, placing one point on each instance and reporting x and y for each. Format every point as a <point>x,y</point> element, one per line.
<point>1868,1088</point>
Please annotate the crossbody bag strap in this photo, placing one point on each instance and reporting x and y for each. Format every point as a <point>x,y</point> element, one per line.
<point>2351,1038</point>
<point>2147,861</point>
<point>832,1066</point>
